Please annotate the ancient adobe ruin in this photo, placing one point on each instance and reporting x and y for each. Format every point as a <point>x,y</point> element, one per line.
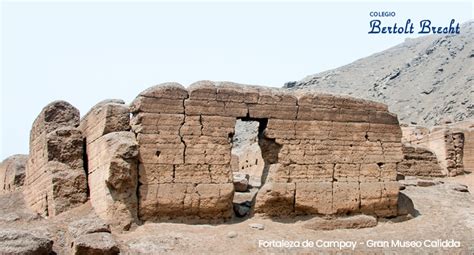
<point>12,173</point>
<point>171,160</point>
<point>450,145</point>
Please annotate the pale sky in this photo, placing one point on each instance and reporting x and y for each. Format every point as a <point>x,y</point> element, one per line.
<point>84,52</point>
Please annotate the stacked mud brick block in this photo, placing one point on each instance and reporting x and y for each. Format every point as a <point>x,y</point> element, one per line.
<point>184,155</point>
<point>419,161</point>
<point>446,141</point>
<point>112,172</point>
<point>337,155</point>
<point>55,178</point>
<point>12,173</point>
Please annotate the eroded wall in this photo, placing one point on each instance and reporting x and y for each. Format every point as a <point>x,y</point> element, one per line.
<point>445,141</point>
<point>467,128</point>
<point>419,161</point>
<point>184,158</point>
<point>12,173</point>
<point>55,179</point>
<point>323,154</point>
<point>335,155</point>
<point>112,167</point>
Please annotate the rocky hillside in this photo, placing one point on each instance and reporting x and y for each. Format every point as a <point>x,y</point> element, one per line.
<point>425,80</point>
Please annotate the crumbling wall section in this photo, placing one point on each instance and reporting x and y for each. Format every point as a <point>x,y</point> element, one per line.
<point>112,166</point>
<point>445,141</point>
<point>467,128</point>
<point>12,173</point>
<point>55,178</point>
<point>418,161</point>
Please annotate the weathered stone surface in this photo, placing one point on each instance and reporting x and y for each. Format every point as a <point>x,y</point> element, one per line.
<point>446,142</point>
<point>113,178</point>
<point>242,209</point>
<point>55,179</point>
<point>350,222</point>
<point>405,206</point>
<point>322,154</point>
<point>276,199</point>
<point>170,99</point>
<point>379,198</point>
<point>12,172</point>
<point>87,225</point>
<point>53,116</point>
<point>346,197</point>
<point>467,128</point>
<point>185,147</point>
<point>105,117</point>
<point>23,242</point>
<point>112,153</point>
<point>314,198</point>
<point>67,188</point>
<point>418,161</point>
<point>182,201</point>
<point>245,197</point>
<point>241,182</point>
<point>95,244</point>
<point>460,187</point>
<point>425,183</point>
<point>257,226</point>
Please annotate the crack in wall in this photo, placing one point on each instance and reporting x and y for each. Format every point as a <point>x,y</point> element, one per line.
<point>360,195</point>
<point>180,133</point>
<point>85,164</point>
<point>332,187</point>
<point>294,198</point>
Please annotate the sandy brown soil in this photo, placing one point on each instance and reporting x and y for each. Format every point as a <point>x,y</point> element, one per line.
<point>444,214</point>
<point>467,179</point>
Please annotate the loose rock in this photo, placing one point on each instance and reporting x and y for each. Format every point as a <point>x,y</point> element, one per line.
<point>232,234</point>
<point>241,182</point>
<point>460,187</point>
<point>425,183</point>
<point>23,242</point>
<point>12,173</point>
<point>357,221</point>
<point>96,243</point>
<point>242,209</point>
<point>257,226</point>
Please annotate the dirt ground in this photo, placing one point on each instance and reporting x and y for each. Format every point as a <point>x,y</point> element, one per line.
<point>444,214</point>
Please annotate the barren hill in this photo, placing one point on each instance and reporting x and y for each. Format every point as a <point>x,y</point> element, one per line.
<point>424,80</point>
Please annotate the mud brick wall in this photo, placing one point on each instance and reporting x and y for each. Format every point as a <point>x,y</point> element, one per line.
<point>184,159</point>
<point>445,141</point>
<point>111,163</point>
<point>55,179</point>
<point>337,156</point>
<point>467,128</point>
<point>12,173</point>
<point>325,154</point>
<point>418,161</point>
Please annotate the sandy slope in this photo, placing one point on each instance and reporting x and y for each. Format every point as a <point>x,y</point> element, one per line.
<point>423,80</point>
<point>444,214</point>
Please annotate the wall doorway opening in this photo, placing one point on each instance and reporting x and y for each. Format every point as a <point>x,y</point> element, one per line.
<point>252,154</point>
